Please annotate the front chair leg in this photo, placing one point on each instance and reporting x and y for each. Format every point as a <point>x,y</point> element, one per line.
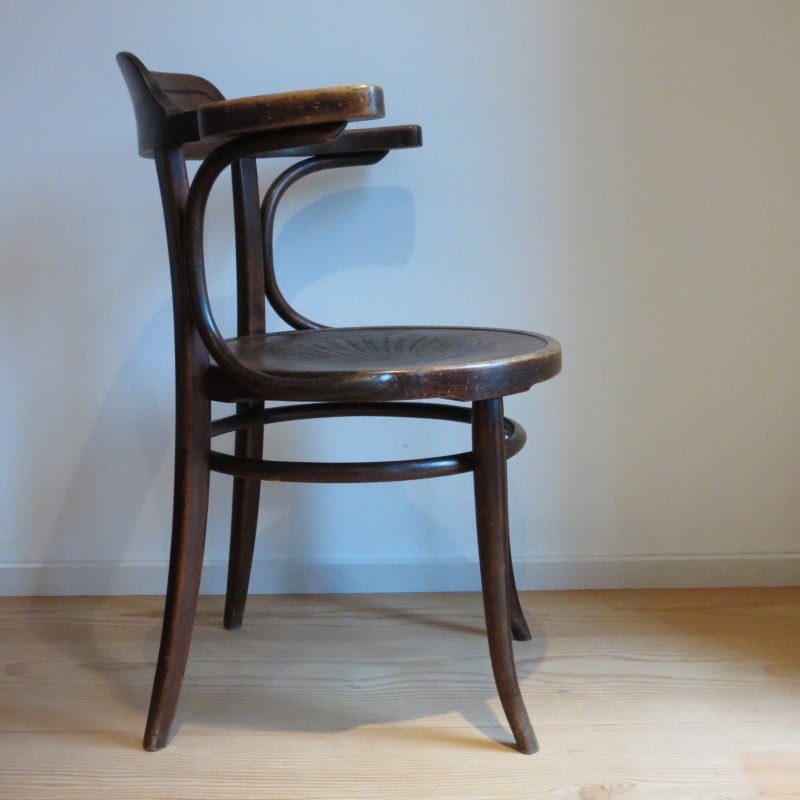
<point>244,519</point>
<point>491,509</point>
<point>189,516</point>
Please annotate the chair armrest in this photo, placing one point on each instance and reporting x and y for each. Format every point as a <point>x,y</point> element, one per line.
<point>225,118</point>
<point>323,140</point>
<point>359,140</point>
<point>317,111</point>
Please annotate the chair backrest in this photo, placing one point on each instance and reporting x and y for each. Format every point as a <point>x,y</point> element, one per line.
<point>163,103</point>
<point>165,106</point>
<point>180,117</point>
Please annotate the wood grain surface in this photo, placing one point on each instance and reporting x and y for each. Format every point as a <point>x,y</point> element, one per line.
<point>290,109</point>
<point>422,362</point>
<point>641,694</point>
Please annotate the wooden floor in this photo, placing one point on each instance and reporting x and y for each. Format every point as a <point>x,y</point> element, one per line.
<point>644,694</point>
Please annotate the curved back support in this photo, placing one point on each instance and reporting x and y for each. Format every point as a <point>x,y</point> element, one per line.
<point>164,106</point>
<point>280,387</point>
<point>276,192</point>
<point>174,122</point>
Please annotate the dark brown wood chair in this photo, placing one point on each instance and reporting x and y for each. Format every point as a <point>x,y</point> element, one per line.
<point>324,372</point>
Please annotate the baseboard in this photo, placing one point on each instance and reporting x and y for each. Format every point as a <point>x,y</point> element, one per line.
<point>279,577</point>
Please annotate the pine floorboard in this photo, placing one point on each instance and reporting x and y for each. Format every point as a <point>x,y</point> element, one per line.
<point>686,695</point>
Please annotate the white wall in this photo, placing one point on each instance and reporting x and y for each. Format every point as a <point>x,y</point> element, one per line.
<point>622,175</point>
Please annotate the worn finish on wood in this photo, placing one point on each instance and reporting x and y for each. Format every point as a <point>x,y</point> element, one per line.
<point>289,110</point>
<point>174,109</point>
<point>410,363</point>
<point>332,372</point>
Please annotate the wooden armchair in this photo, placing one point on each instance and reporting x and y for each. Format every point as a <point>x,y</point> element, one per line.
<point>324,372</point>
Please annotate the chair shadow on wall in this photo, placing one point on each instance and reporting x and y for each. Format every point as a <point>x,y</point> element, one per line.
<point>123,474</point>
<point>125,463</point>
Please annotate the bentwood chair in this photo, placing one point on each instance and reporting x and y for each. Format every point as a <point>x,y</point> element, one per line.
<point>323,372</point>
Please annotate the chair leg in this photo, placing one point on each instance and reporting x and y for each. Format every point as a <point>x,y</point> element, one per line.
<point>244,518</point>
<point>519,626</point>
<point>491,509</point>
<point>189,515</point>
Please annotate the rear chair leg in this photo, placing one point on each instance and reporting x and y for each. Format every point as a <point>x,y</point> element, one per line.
<point>244,519</point>
<point>519,626</point>
<point>491,509</point>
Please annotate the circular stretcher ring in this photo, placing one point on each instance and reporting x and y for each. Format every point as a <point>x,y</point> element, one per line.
<point>352,471</point>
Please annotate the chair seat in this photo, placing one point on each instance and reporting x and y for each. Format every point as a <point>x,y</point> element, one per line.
<point>418,362</point>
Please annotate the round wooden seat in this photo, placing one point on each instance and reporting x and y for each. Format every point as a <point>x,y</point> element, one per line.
<point>413,362</point>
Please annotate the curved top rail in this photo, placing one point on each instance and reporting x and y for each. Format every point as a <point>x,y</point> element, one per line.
<point>164,103</point>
